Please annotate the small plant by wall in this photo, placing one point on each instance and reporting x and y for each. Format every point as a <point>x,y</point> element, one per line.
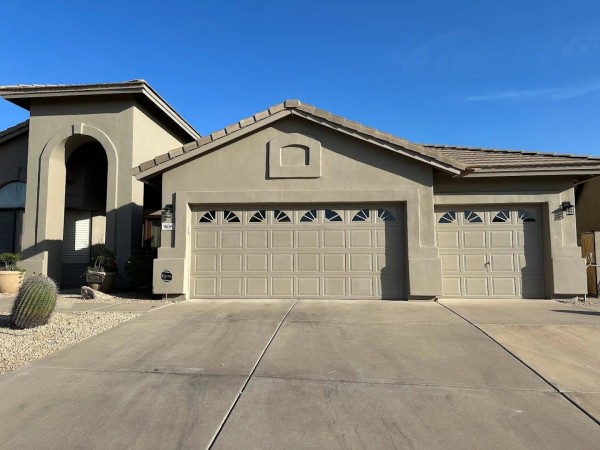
<point>35,302</point>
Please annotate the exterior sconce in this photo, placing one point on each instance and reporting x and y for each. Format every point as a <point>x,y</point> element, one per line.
<point>568,208</point>
<point>166,214</point>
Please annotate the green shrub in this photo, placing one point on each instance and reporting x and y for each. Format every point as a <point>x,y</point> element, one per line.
<point>9,261</point>
<point>139,270</point>
<point>106,261</point>
<point>35,302</point>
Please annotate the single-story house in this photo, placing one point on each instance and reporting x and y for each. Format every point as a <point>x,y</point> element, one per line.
<point>293,201</point>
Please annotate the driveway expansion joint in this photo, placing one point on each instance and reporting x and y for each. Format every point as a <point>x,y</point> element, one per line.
<point>248,378</point>
<point>544,379</point>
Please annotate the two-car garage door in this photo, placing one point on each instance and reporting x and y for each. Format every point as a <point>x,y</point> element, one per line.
<point>304,252</point>
<point>491,252</point>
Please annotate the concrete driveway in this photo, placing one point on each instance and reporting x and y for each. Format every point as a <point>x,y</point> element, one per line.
<point>318,374</point>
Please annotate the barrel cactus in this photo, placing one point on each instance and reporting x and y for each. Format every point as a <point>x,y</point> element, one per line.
<point>35,302</point>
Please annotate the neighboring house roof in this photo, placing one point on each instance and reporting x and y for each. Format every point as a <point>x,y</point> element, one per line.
<point>296,108</point>
<point>14,131</point>
<point>21,95</point>
<point>461,161</point>
<point>485,160</point>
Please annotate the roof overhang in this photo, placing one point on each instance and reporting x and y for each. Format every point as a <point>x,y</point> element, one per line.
<point>22,95</point>
<point>531,171</point>
<point>236,131</point>
<point>14,131</point>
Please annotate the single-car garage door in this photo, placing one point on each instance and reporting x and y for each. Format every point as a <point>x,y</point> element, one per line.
<point>495,252</point>
<point>324,252</point>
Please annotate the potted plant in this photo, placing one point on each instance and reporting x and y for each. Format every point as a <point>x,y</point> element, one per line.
<point>10,274</point>
<point>101,276</point>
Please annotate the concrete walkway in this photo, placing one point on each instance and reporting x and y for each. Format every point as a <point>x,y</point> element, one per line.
<point>141,307</point>
<point>311,374</point>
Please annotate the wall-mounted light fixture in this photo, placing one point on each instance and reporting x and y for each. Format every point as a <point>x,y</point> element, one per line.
<point>166,214</point>
<point>568,208</point>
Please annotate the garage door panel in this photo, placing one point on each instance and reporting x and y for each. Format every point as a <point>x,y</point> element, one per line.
<point>476,287</point>
<point>334,287</point>
<point>448,239</point>
<point>256,262</point>
<point>206,239</point>
<point>309,262</point>
<point>531,286</point>
<point>257,239</point>
<point>452,286</point>
<point>361,263</point>
<point>205,262</point>
<point>282,286</point>
<point>205,287</point>
<point>501,239</point>
<point>231,263</point>
<point>362,287</point>
<point>334,239</point>
<point>257,286</point>
<point>504,287</point>
<point>231,239</point>
<point>308,239</point>
<point>309,286</point>
<point>499,252</point>
<point>502,263</point>
<point>304,252</point>
<point>282,239</point>
<point>231,286</point>
<point>531,262</point>
<point>474,239</point>
<point>335,262</point>
<point>361,239</point>
<point>450,263</point>
<point>475,263</point>
<point>282,262</point>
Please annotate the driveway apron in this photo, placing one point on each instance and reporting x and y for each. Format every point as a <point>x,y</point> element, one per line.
<point>279,374</point>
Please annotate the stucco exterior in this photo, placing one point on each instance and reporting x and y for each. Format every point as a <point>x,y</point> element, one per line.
<point>92,148</point>
<point>60,125</point>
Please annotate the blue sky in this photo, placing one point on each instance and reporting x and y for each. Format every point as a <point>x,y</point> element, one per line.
<point>500,74</point>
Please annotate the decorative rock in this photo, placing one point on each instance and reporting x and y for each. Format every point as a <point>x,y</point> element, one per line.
<point>87,293</point>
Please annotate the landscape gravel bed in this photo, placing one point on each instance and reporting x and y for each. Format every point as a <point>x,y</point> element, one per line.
<point>20,347</point>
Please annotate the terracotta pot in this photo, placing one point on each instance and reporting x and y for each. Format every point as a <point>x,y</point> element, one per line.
<point>10,281</point>
<point>101,281</point>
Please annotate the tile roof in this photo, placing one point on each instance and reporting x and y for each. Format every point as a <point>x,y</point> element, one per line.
<point>295,107</point>
<point>478,159</point>
<point>21,95</point>
<point>14,131</point>
<point>460,160</point>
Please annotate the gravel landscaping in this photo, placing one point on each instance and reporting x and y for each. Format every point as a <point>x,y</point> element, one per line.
<point>20,347</point>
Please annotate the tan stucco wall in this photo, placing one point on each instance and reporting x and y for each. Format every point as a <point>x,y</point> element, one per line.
<point>58,127</point>
<point>351,171</point>
<point>13,157</point>
<point>564,268</point>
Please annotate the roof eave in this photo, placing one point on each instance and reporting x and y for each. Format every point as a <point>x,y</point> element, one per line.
<point>14,131</point>
<point>529,171</point>
<point>22,96</point>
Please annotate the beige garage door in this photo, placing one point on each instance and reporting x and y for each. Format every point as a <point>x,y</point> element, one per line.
<point>327,252</point>
<point>495,252</point>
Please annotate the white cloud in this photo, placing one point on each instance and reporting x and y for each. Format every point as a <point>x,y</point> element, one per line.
<point>560,93</point>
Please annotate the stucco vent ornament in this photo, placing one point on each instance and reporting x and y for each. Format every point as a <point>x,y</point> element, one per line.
<point>294,155</point>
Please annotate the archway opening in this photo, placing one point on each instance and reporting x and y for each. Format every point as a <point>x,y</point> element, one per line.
<point>84,230</point>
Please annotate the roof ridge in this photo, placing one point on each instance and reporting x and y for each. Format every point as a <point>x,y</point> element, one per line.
<point>296,105</point>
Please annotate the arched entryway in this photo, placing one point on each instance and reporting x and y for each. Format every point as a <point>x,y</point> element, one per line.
<point>12,208</point>
<point>84,230</point>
